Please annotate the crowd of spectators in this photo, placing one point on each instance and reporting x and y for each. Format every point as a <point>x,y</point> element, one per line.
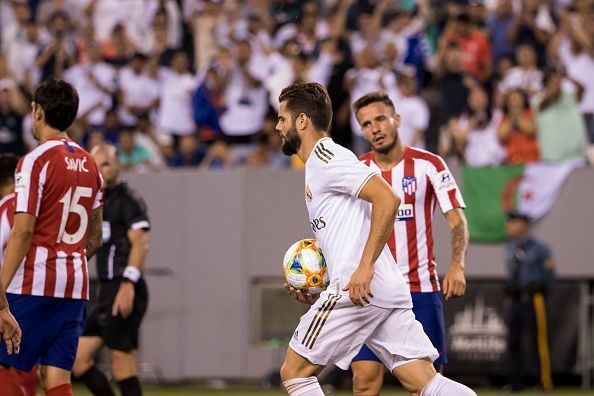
<point>194,83</point>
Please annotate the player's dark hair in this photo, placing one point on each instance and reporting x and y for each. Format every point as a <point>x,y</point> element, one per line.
<point>8,164</point>
<point>59,101</point>
<point>370,98</point>
<point>311,99</point>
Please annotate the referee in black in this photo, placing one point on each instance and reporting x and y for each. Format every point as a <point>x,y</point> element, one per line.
<point>123,296</point>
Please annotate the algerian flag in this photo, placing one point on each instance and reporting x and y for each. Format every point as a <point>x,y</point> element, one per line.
<point>492,190</point>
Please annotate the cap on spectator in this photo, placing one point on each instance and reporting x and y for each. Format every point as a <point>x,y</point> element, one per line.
<point>514,214</point>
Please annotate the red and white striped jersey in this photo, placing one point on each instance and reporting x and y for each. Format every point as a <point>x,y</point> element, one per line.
<point>419,179</point>
<point>60,185</point>
<point>6,218</point>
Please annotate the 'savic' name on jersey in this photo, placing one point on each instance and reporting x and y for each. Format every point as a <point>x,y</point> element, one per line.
<point>76,164</point>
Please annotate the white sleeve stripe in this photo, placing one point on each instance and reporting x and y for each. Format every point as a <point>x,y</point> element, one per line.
<point>27,168</point>
<point>40,184</point>
<point>140,225</point>
<point>364,183</point>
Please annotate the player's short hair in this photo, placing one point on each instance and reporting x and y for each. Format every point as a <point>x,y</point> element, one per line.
<point>312,99</point>
<point>108,148</point>
<point>59,101</point>
<point>370,98</point>
<point>8,164</point>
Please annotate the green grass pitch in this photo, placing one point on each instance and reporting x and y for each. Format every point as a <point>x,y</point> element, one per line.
<point>201,391</point>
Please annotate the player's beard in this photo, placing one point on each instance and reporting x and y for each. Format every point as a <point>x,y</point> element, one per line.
<point>291,142</point>
<point>386,150</point>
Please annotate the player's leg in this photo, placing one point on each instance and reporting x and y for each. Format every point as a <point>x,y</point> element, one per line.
<point>332,331</point>
<point>56,381</point>
<point>57,359</point>
<point>428,310</point>
<point>31,312</point>
<point>368,373</point>
<point>121,337</point>
<point>28,380</point>
<point>405,349</point>
<point>84,367</point>
<point>8,384</point>
<point>299,375</point>
<point>125,372</point>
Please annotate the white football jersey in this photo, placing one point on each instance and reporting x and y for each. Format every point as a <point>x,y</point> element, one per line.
<point>341,222</point>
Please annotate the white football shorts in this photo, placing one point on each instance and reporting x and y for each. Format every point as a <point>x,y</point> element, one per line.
<point>334,330</point>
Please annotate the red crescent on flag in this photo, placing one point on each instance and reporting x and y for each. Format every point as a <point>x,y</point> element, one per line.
<point>509,192</point>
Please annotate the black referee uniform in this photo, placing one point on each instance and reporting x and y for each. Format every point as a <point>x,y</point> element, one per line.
<point>123,210</point>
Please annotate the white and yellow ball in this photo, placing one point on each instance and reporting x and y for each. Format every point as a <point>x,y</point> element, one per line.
<point>305,267</point>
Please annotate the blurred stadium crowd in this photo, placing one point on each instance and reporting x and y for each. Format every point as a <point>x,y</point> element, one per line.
<point>195,82</point>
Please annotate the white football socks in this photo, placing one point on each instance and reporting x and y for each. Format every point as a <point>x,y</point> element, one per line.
<point>303,387</point>
<point>442,386</point>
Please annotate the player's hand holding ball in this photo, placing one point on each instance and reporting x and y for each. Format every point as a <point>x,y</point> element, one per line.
<point>302,297</point>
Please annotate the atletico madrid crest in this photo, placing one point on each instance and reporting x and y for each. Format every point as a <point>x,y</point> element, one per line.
<point>409,185</point>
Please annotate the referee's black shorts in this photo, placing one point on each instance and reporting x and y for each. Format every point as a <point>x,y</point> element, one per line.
<point>117,333</point>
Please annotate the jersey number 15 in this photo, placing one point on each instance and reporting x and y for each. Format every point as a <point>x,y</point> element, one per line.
<point>71,205</point>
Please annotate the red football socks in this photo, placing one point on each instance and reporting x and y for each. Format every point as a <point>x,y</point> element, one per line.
<point>62,390</point>
<point>28,381</point>
<point>8,385</point>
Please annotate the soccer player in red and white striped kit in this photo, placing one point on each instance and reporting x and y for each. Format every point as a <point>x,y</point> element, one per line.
<point>57,225</point>
<point>8,162</point>
<point>421,179</point>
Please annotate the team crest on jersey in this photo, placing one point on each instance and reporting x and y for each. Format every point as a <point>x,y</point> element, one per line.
<point>308,195</point>
<point>409,185</point>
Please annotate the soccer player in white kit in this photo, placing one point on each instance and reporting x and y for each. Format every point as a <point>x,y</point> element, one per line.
<point>368,300</point>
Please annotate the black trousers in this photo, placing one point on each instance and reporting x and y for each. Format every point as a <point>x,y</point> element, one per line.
<point>528,345</point>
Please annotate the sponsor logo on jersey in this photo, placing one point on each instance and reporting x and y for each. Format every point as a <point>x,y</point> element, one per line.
<point>308,195</point>
<point>318,224</point>
<point>409,185</point>
<point>76,164</point>
<point>405,212</point>
<point>445,181</point>
<point>296,335</point>
<point>21,181</point>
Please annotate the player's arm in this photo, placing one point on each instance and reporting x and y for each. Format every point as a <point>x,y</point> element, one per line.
<point>94,236</point>
<point>139,244</point>
<point>384,204</point>
<point>139,241</point>
<point>18,245</point>
<point>454,283</point>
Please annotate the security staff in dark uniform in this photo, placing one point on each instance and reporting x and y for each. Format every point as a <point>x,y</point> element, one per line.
<point>123,295</point>
<point>530,279</point>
